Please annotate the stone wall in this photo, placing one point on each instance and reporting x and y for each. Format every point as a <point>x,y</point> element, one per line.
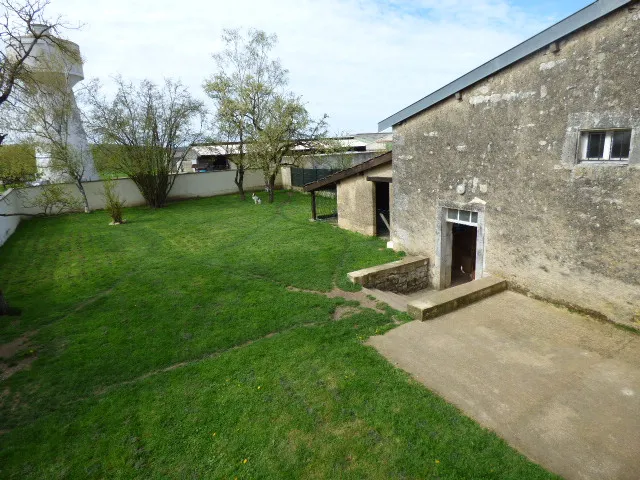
<point>403,276</point>
<point>357,201</point>
<point>560,229</point>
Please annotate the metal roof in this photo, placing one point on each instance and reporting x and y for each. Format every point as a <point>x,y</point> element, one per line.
<point>578,20</point>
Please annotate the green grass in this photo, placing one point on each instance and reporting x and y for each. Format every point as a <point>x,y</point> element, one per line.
<point>172,347</point>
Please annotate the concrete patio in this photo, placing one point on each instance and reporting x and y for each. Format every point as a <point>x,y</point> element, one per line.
<point>561,388</point>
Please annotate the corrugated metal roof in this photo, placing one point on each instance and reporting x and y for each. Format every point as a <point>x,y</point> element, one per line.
<point>578,20</point>
<point>222,149</point>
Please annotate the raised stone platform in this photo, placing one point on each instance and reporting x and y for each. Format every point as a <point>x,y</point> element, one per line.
<point>402,276</point>
<point>438,302</point>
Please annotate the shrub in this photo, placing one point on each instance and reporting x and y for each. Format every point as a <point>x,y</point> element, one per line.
<point>114,204</point>
<point>53,200</point>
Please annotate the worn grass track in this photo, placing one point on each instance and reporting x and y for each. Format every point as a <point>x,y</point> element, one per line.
<point>189,343</point>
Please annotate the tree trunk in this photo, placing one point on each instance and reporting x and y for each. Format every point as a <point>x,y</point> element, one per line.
<point>84,196</point>
<point>272,182</point>
<point>4,306</point>
<point>240,182</point>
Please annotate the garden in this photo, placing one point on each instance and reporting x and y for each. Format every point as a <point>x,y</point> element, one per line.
<point>214,338</point>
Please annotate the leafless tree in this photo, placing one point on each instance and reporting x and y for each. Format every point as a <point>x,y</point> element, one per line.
<point>45,114</point>
<point>17,18</point>
<point>20,19</point>
<point>142,127</point>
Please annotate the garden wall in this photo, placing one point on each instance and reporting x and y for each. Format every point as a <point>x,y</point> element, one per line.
<point>8,205</point>
<point>188,185</point>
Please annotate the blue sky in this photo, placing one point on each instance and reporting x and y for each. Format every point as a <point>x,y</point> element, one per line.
<point>359,61</point>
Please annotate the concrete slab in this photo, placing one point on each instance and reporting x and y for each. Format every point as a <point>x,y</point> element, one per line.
<point>561,388</point>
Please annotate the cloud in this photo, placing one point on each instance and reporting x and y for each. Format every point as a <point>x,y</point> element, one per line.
<point>359,61</point>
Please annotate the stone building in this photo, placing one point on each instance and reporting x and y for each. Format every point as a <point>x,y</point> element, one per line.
<point>363,194</point>
<point>528,168</point>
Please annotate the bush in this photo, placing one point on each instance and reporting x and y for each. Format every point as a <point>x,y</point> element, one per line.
<point>114,204</point>
<point>53,200</point>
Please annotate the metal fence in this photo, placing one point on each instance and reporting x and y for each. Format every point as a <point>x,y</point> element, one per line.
<point>301,176</point>
<point>326,204</point>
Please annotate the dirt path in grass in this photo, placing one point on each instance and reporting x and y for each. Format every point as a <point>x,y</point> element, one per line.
<point>342,311</point>
<point>209,356</point>
<point>16,355</point>
<point>365,301</point>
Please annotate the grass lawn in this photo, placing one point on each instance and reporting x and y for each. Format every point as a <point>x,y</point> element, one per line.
<point>185,344</point>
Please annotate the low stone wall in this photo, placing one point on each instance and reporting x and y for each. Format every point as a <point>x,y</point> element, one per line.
<point>403,276</point>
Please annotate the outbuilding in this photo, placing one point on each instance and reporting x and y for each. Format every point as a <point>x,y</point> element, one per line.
<point>363,194</point>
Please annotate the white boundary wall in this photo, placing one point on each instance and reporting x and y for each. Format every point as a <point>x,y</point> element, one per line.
<point>188,185</point>
<point>9,203</point>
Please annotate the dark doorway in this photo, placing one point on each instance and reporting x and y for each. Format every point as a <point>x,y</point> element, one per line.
<point>463,253</point>
<point>382,209</point>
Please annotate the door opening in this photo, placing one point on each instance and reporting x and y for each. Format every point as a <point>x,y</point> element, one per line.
<point>383,219</point>
<point>460,248</point>
<point>463,253</point>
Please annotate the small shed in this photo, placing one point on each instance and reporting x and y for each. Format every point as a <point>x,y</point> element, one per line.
<point>364,196</point>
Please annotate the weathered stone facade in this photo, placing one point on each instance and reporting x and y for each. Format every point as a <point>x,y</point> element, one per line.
<point>565,231</point>
<point>403,276</point>
<point>357,201</point>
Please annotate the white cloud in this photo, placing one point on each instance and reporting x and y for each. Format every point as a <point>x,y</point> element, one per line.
<point>356,60</point>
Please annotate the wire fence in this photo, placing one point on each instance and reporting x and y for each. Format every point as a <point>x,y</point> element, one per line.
<point>327,204</point>
<point>302,176</point>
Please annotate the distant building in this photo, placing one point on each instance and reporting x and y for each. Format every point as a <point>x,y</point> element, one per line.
<point>208,158</point>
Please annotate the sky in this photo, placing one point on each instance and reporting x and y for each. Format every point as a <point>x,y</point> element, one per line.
<point>358,61</point>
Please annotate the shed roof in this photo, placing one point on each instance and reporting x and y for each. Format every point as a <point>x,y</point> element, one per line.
<point>349,172</point>
<point>578,20</point>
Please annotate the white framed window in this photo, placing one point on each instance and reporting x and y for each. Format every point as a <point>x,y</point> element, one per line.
<point>462,216</point>
<point>605,145</point>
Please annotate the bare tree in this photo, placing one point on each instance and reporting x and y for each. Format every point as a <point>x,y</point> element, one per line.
<point>17,19</point>
<point>142,128</point>
<point>23,23</point>
<point>46,115</point>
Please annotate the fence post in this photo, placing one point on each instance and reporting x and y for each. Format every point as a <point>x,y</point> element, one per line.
<point>313,205</point>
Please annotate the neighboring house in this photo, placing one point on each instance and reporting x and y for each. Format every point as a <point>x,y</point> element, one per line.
<point>364,195</point>
<point>529,167</point>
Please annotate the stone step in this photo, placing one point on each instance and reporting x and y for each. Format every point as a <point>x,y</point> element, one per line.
<point>396,301</point>
<point>438,302</point>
